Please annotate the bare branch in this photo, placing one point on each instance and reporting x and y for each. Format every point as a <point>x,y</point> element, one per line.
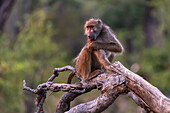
<point>65,68</point>
<point>110,91</point>
<point>57,70</point>
<point>138,101</point>
<point>111,86</point>
<point>153,97</point>
<point>28,88</point>
<point>40,104</point>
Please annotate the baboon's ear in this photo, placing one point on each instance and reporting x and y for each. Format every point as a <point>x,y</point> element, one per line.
<point>99,21</point>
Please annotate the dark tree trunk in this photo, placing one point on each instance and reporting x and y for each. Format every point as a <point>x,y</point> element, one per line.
<point>148,25</point>
<point>11,28</point>
<point>5,9</point>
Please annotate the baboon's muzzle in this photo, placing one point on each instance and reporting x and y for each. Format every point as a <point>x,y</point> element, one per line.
<point>92,36</point>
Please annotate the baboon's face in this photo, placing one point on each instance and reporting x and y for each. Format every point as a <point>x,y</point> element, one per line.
<point>93,28</point>
<point>91,33</point>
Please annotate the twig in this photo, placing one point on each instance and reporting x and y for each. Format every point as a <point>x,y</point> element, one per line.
<point>28,88</point>
<point>40,106</point>
<point>65,68</point>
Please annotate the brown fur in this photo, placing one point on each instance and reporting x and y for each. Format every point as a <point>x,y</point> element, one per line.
<point>98,52</point>
<point>83,59</point>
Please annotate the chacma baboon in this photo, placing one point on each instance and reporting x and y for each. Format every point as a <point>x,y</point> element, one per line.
<point>98,52</point>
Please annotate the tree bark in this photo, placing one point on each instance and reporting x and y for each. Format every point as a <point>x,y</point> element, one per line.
<point>150,95</point>
<point>123,81</point>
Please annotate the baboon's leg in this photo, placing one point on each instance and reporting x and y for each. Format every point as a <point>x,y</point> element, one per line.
<point>83,64</point>
<point>70,77</point>
<point>95,73</point>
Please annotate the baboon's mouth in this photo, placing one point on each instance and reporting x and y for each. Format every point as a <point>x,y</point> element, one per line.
<point>91,39</point>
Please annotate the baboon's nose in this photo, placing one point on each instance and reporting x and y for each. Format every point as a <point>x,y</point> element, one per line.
<point>90,36</point>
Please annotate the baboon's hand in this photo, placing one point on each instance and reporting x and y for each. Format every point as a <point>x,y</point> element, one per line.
<point>91,46</point>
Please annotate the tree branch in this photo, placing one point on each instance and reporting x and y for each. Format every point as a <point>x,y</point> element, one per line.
<point>110,91</point>
<point>149,94</point>
<point>123,81</point>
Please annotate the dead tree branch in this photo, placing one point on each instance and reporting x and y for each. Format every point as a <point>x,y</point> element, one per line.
<point>150,95</point>
<point>123,81</point>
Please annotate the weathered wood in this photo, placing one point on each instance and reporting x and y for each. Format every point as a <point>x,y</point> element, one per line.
<point>149,94</point>
<point>123,81</point>
<point>110,91</point>
<point>138,101</point>
<point>64,103</point>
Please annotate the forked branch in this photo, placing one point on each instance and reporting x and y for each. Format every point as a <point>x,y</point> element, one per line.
<point>123,81</point>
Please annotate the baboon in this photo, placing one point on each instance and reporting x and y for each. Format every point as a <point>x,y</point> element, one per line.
<point>99,51</point>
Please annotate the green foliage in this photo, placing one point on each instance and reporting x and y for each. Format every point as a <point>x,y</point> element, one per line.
<point>32,58</point>
<point>124,14</point>
<point>52,27</point>
<point>155,62</point>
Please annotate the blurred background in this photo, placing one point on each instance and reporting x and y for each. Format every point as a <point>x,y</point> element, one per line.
<point>38,35</point>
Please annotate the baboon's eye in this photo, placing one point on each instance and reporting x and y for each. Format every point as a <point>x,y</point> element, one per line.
<point>91,28</point>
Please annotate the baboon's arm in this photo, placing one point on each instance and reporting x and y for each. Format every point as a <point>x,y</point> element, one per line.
<point>101,55</point>
<point>108,46</point>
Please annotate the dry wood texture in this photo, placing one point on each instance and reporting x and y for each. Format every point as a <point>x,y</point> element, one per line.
<point>122,81</point>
